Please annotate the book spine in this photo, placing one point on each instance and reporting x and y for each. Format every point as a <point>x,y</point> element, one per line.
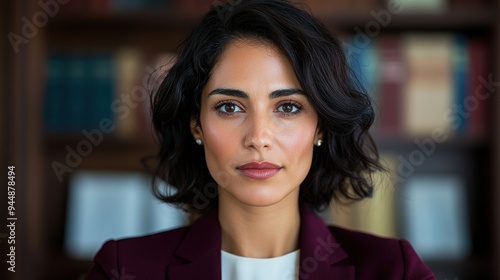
<point>460,69</point>
<point>479,69</point>
<point>392,76</point>
<point>54,89</point>
<point>102,89</point>
<point>75,115</point>
<point>428,91</point>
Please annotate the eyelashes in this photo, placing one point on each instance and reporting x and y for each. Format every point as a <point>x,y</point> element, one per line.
<point>290,107</point>
<point>230,107</point>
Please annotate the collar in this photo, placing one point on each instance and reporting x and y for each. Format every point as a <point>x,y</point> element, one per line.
<point>321,257</point>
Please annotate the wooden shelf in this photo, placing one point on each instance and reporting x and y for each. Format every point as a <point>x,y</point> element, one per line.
<point>453,144</point>
<point>110,154</point>
<point>159,33</point>
<point>453,21</point>
<point>56,143</point>
<point>121,22</point>
<point>150,32</point>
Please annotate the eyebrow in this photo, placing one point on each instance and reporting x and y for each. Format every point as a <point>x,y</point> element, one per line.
<point>241,94</point>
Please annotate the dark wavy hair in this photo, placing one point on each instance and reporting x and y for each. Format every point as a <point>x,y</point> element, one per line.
<point>340,168</point>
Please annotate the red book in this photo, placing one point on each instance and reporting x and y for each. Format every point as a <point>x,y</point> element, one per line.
<point>391,84</point>
<point>479,53</point>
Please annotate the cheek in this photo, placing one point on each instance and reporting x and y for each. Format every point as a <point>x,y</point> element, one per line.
<point>220,143</point>
<point>301,144</point>
<point>298,143</point>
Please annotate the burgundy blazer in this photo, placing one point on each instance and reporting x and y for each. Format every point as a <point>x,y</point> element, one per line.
<point>194,252</point>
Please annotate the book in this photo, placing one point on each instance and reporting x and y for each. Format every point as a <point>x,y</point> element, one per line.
<point>101,88</point>
<point>75,109</point>
<point>364,61</point>
<point>375,215</point>
<point>478,93</point>
<point>112,205</point>
<point>460,66</point>
<point>128,95</point>
<point>83,89</point>
<point>435,217</point>
<point>78,92</point>
<point>421,82</point>
<point>54,93</point>
<point>392,79</point>
<point>428,91</point>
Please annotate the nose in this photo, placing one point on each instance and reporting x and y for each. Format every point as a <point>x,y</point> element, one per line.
<point>259,132</point>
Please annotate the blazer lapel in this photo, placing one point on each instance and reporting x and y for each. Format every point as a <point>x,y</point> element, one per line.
<point>321,257</point>
<point>200,248</point>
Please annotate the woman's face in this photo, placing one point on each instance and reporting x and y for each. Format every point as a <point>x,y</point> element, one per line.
<point>257,126</point>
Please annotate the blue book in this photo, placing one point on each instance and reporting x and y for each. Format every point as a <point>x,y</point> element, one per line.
<point>74,111</point>
<point>460,78</point>
<point>54,89</point>
<point>364,63</point>
<point>101,91</point>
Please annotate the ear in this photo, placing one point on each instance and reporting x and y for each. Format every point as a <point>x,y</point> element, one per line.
<point>318,134</point>
<point>196,129</point>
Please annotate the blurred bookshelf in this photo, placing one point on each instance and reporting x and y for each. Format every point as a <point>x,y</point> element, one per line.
<point>92,60</point>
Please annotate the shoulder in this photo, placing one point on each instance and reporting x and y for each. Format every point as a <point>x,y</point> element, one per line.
<point>149,246</point>
<point>360,244</point>
<point>373,254</point>
<point>149,254</point>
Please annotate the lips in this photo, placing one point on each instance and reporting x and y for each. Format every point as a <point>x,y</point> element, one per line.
<point>259,170</point>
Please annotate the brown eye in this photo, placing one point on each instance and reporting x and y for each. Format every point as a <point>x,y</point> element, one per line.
<point>288,108</point>
<point>229,108</point>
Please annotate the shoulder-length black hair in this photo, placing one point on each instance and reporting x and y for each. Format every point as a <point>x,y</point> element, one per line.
<point>340,168</point>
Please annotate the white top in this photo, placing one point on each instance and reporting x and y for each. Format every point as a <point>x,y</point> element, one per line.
<point>242,268</point>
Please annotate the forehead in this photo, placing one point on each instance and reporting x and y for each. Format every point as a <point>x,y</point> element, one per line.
<point>254,64</point>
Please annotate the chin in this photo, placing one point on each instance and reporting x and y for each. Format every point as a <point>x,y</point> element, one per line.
<point>262,196</point>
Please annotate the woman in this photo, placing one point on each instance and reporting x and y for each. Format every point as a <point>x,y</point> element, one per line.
<point>259,121</point>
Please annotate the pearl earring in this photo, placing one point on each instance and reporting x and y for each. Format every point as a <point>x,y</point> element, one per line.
<point>319,142</point>
<point>198,141</point>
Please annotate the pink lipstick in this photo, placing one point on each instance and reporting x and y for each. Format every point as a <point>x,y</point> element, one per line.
<point>259,170</point>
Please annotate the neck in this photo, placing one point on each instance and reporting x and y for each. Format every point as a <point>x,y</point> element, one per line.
<point>259,232</point>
